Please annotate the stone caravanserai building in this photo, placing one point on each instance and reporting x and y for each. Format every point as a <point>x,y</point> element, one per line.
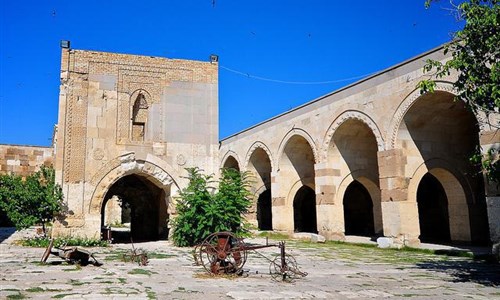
<point>375,158</point>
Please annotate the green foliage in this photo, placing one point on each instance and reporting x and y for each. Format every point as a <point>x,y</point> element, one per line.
<point>43,242</point>
<point>490,164</point>
<point>32,200</point>
<point>475,54</point>
<point>202,212</point>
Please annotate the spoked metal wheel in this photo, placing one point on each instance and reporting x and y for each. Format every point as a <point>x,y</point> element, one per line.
<point>284,269</point>
<point>222,253</point>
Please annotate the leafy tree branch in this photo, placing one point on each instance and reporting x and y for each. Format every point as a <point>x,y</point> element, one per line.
<point>33,200</point>
<point>475,57</point>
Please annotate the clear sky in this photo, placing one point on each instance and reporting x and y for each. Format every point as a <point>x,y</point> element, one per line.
<point>290,42</point>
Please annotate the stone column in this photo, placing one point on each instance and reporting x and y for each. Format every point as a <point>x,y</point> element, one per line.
<point>329,212</point>
<point>489,139</point>
<point>282,215</point>
<point>399,213</point>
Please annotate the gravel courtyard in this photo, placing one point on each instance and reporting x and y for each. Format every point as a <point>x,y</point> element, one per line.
<point>335,271</point>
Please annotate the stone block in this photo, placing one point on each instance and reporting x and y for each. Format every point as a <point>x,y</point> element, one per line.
<point>313,237</point>
<point>385,242</point>
<point>493,207</point>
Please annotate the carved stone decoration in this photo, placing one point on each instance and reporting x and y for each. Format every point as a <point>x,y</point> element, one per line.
<point>347,115</point>
<point>98,154</point>
<point>254,147</point>
<point>181,160</point>
<point>75,141</point>
<point>305,135</point>
<point>121,166</point>
<point>228,154</point>
<point>405,105</point>
<point>110,165</point>
<point>128,162</point>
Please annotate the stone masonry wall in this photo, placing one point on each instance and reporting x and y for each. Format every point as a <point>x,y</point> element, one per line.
<point>122,115</point>
<point>24,160</point>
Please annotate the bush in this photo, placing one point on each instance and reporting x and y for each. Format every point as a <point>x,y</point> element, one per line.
<point>31,200</point>
<point>202,212</point>
<point>43,242</point>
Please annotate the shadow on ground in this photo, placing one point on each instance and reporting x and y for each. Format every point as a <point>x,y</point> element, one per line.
<point>6,232</point>
<point>477,271</point>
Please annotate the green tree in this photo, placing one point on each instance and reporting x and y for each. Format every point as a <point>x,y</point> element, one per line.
<point>202,211</point>
<point>33,200</point>
<point>475,54</point>
<point>235,199</point>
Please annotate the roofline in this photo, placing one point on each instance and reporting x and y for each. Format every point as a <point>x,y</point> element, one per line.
<point>138,55</point>
<point>32,146</point>
<point>338,90</point>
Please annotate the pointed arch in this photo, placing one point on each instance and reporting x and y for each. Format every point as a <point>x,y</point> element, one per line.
<point>229,159</point>
<point>373,190</point>
<point>150,167</point>
<point>259,145</point>
<point>296,132</point>
<point>404,107</point>
<point>457,191</point>
<point>139,110</point>
<point>341,119</point>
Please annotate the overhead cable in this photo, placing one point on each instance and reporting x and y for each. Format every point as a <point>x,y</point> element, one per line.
<point>293,82</point>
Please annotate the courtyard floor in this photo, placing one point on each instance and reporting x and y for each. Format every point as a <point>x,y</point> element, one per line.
<point>335,271</point>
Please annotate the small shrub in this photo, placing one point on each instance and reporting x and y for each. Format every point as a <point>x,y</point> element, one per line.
<point>202,212</point>
<point>43,242</point>
<point>32,200</point>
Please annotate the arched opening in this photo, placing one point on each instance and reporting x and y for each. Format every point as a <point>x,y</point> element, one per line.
<point>433,210</point>
<point>304,210</point>
<point>231,163</point>
<point>259,165</point>
<point>352,152</point>
<point>139,118</point>
<point>358,210</point>
<point>135,210</point>
<point>436,128</point>
<point>296,181</point>
<point>264,211</point>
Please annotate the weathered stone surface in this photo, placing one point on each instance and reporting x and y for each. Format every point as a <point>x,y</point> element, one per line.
<point>125,120</point>
<point>378,141</point>
<point>315,238</point>
<point>385,242</point>
<point>24,160</point>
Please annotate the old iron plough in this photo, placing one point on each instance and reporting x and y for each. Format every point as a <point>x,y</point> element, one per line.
<point>224,253</point>
<point>70,254</point>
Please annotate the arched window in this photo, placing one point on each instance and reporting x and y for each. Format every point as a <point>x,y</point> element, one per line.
<point>139,118</point>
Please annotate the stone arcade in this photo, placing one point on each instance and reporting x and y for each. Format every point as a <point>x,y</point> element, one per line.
<point>375,158</point>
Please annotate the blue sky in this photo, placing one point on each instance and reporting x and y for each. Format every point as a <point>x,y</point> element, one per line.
<point>284,41</point>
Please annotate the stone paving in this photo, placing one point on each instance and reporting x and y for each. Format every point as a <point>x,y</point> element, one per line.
<point>335,271</point>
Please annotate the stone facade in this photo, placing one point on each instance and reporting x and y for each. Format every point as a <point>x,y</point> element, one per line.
<point>375,158</point>
<point>128,127</point>
<point>24,160</point>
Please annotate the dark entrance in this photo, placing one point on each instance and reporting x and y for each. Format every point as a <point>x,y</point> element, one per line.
<point>143,204</point>
<point>433,211</point>
<point>264,211</point>
<point>304,210</point>
<point>358,210</point>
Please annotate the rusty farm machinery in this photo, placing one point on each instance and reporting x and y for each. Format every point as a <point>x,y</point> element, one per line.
<point>70,254</point>
<point>224,253</point>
